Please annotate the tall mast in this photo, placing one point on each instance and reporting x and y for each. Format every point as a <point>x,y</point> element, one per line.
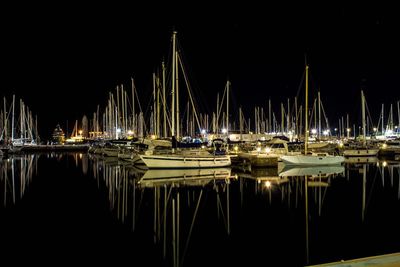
<point>398,114</point>
<point>319,115</point>
<point>133,107</point>
<point>12,122</point>
<point>173,85</point>
<point>164,100</point>
<point>227,107</point>
<point>154,105</point>
<point>177,95</point>
<point>363,118</point>
<point>383,119</point>
<point>269,116</point>
<point>306,114</point>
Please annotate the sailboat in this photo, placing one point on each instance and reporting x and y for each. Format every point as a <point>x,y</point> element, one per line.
<point>310,158</point>
<point>181,158</point>
<point>363,151</point>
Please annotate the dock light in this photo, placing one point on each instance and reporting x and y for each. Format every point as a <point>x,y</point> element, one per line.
<point>384,146</point>
<point>325,132</point>
<point>267,149</point>
<point>224,131</point>
<point>314,131</point>
<point>384,164</point>
<point>203,146</point>
<point>80,132</point>
<point>258,149</point>
<point>236,148</point>
<point>348,130</point>
<point>130,132</point>
<point>203,131</point>
<point>375,129</point>
<point>267,184</point>
<point>341,145</point>
<point>118,130</point>
<point>153,136</point>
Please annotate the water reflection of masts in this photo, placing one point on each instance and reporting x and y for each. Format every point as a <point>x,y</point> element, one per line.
<point>20,169</point>
<point>364,184</point>
<point>117,182</point>
<point>172,197</point>
<point>306,216</point>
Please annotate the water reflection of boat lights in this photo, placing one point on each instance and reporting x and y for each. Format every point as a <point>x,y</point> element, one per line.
<point>270,182</point>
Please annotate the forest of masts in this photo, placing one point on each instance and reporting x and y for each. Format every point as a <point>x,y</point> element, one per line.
<point>164,117</point>
<point>123,115</point>
<point>17,123</point>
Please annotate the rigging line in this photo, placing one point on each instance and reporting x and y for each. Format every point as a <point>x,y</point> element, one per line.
<point>372,186</point>
<point>191,227</point>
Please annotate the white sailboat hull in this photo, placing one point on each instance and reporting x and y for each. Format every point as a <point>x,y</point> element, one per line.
<point>311,160</point>
<point>179,161</point>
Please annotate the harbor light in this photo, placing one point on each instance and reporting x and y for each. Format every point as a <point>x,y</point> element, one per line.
<point>375,129</point>
<point>314,131</point>
<point>203,131</point>
<point>118,130</point>
<point>326,132</point>
<point>258,149</point>
<point>224,130</point>
<point>267,184</point>
<point>348,130</point>
<point>236,148</point>
<point>384,164</point>
<point>80,132</point>
<point>267,149</point>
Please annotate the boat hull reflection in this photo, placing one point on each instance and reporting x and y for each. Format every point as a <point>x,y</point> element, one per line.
<point>312,171</point>
<point>187,176</point>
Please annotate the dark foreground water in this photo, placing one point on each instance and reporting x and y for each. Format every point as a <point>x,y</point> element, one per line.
<point>75,209</point>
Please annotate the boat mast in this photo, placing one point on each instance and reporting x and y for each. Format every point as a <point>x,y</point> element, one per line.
<point>164,100</point>
<point>306,114</point>
<point>319,115</point>
<point>173,85</point>
<point>12,121</point>
<point>178,126</point>
<point>363,118</point>
<point>227,107</point>
<point>398,114</point>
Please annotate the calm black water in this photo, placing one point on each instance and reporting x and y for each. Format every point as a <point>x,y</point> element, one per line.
<point>75,208</point>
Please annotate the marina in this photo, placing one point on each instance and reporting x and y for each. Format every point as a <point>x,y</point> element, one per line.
<point>256,136</point>
<point>168,215</point>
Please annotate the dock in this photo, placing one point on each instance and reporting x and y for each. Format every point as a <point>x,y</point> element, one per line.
<point>387,260</point>
<point>66,147</point>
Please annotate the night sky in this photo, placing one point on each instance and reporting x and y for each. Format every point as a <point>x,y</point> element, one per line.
<point>64,60</point>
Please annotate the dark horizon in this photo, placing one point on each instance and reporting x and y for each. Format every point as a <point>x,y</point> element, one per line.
<point>64,63</point>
